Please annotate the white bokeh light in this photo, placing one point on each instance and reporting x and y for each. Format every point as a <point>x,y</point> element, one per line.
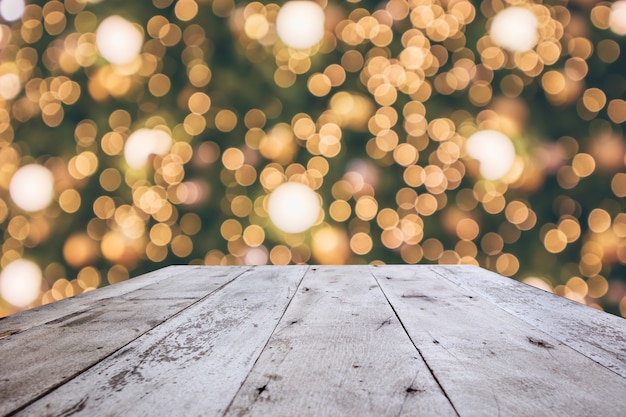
<point>515,29</point>
<point>256,256</point>
<point>300,24</point>
<point>12,10</point>
<point>617,18</point>
<point>32,187</point>
<point>494,151</point>
<point>118,40</point>
<point>10,86</point>
<point>145,142</point>
<point>293,207</point>
<point>20,282</point>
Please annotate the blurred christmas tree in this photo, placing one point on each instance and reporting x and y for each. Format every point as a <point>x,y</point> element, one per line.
<point>135,135</point>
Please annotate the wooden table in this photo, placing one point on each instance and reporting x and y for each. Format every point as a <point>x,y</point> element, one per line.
<point>314,340</point>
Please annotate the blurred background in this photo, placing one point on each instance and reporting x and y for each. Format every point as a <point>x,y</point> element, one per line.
<point>140,134</point>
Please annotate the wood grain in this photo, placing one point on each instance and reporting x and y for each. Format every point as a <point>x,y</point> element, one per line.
<point>490,362</point>
<point>43,357</point>
<point>340,351</point>
<point>192,364</point>
<point>324,340</point>
<point>23,321</point>
<point>595,334</point>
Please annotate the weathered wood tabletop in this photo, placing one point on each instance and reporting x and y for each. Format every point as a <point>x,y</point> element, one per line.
<point>314,340</point>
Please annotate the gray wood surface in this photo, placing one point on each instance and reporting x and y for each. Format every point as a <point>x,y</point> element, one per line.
<point>595,334</point>
<point>339,351</point>
<point>25,320</point>
<point>488,361</point>
<point>34,362</point>
<point>314,340</point>
<point>195,361</point>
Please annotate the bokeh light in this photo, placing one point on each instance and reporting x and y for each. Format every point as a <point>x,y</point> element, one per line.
<point>494,151</point>
<point>12,10</point>
<point>10,86</point>
<point>145,142</point>
<point>118,40</point>
<point>136,135</point>
<point>293,207</point>
<point>20,282</point>
<point>300,23</point>
<point>32,187</point>
<point>515,29</point>
<point>617,18</point>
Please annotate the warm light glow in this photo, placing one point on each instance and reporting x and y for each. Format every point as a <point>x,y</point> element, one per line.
<point>331,246</point>
<point>617,18</point>
<point>20,282</point>
<point>300,24</point>
<point>220,132</point>
<point>12,10</point>
<point>256,256</point>
<point>10,86</point>
<point>515,29</point>
<point>32,187</point>
<point>80,250</point>
<point>293,207</point>
<point>144,142</point>
<point>494,151</point>
<point>118,40</point>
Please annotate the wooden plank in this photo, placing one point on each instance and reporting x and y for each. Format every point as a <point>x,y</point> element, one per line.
<point>595,334</point>
<point>339,351</point>
<point>490,362</point>
<point>24,320</point>
<point>38,360</point>
<point>191,364</point>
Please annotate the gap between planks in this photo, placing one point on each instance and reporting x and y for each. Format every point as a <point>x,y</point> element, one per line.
<point>339,350</point>
<point>243,381</point>
<point>559,325</point>
<point>491,361</point>
<point>430,369</point>
<point>183,356</point>
<point>53,386</point>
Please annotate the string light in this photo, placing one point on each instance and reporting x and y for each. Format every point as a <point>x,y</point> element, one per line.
<point>20,282</point>
<point>313,132</point>
<point>494,151</point>
<point>515,29</point>
<point>293,207</point>
<point>300,24</point>
<point>10,86</point>
<point>617,18</point>
<point>12,10</point>
<point>118,40</point>
<point>32,187</point>
<point>145,142</point>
